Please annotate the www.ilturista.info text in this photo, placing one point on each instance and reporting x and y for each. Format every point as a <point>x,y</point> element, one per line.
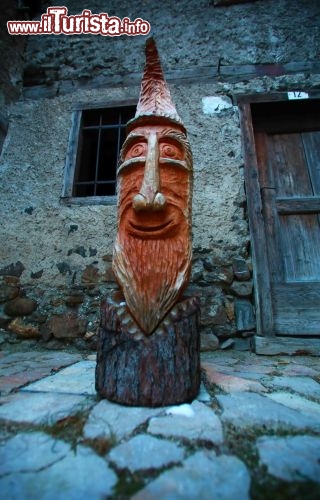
<point>56,22</point>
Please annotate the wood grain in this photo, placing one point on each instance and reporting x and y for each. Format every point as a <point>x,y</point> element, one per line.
<point>159,370</point>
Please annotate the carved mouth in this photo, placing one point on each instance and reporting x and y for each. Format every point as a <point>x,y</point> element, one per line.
<point>145,230</point>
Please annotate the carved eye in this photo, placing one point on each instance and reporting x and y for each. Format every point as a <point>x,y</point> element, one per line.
<point>136,151</point>
<point>170,151</point>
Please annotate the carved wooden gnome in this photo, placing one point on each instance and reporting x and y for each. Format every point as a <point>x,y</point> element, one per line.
<point>152,254</point>
<point>148,345</point>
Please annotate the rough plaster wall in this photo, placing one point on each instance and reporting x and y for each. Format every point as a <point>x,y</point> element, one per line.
<point>32,170</point>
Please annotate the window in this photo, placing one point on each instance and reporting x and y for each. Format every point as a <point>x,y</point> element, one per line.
<point>95,141</point>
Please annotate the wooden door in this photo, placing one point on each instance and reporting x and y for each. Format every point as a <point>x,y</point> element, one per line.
<point>287,144</point>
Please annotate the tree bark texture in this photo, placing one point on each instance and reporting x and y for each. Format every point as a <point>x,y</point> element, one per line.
<point>157,370</point>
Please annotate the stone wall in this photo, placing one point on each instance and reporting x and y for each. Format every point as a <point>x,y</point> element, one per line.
<point>56,259</point>
<point>189,34</point>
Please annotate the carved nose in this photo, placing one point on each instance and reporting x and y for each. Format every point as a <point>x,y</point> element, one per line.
<point>149,196</point>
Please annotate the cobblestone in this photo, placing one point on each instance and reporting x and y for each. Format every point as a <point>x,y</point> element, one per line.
<point>189,451</point>
<point>247,409</point>
<point>303,385</point>
<point>75,379</point>
<point>203,475</point>
<point>202,425</point>
<point>108,420</point>
<point>231,383</point>
<point>145,452</point>
<point>291,458</point>
<point>18,369</point>
<point>41,408</point>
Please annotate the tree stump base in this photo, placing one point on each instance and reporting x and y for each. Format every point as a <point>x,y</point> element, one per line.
<point>157,370</point>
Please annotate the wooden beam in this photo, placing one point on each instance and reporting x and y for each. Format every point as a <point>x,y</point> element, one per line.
<point>182,76</point>
<point>286,345</point>
<point>306,205</point>
<point>70,164</point>
<point>261,275</point>
<point>88,200</point>
<point>273,97</point>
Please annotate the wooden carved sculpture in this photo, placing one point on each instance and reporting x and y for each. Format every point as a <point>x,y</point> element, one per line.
<point>152,254</point>
<point>148,352</point>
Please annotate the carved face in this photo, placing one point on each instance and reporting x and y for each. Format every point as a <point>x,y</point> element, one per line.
<point>153,250</point>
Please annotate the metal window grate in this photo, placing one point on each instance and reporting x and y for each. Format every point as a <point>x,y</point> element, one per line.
<point>102,134</point>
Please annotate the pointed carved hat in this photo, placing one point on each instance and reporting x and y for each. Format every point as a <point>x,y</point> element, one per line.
<point>155,104</point>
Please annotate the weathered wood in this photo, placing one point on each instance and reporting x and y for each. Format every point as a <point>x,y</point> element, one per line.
<point>89,200</point>
<point>303,205</point>
<point>311,144</point>
<point>182,76</point>
<point>281,126</point>
<point>261,275</point>
<point>156,370</point>
<point>286,345</point>
<point>286,155</point>
<point>268,197</point>
<point>79,106</point>
<point>71,158</point>
<point>298,326</point>
<point>296,307</point>
<point>290,295</point>
<point>270,99</point>
<point>288,170</point>
<point>276,269</point>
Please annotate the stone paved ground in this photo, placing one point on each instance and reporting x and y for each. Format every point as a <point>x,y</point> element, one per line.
<point>252,433</point>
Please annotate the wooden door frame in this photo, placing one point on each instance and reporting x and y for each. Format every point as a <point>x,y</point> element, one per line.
<point>265,341</point>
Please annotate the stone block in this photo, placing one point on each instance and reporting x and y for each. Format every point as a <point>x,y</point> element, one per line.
<point>229,307</point>
<point>57,473</point>
<point>77,379</point>
<point>145,452</point>
<point>21,306</point>
<point>244,313</point>
<point>23,329</point>
<point>248,409</point>
<point>213,313</point>
<point>42,408</point>
<point>218,276</point>
<point>109,420</point>
<point>8,292</point>
<point>90,276</point>
<point>242,288</point>
<point>13,269</point>
<point>292,458</point>
<point>240,269</point>
<point>202,475</point>
<point>68,325</point>
<point>200,423</point>
<point>74,299</point>
<point>230,383</point>
<point>208,342</point>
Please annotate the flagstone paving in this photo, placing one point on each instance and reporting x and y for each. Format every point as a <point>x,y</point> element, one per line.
<point>252,433</point>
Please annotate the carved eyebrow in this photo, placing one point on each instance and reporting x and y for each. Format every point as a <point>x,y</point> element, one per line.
<point>173,134</point>
<point>131,139</point>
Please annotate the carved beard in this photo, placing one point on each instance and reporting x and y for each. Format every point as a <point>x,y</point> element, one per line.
<point>151,290</point>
